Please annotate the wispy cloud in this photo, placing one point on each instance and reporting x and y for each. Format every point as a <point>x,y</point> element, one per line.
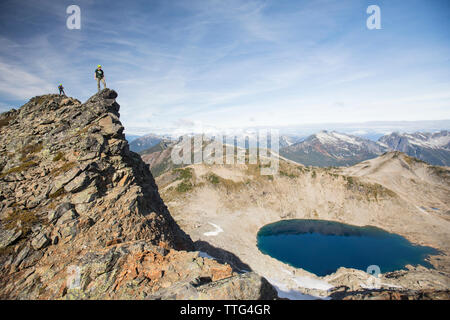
<point>17,83</point>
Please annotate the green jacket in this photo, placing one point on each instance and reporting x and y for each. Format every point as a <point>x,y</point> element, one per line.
<point>99,73</point>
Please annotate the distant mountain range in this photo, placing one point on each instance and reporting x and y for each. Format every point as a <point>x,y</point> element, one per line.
<point>131,137</point>
<point>145,142</point>
<point>433,148</point>
<point>325,149</point>
<point>337,149</point>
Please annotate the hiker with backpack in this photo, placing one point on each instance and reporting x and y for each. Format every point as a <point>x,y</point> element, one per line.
<point>61,89</point>
<point>100,76</point>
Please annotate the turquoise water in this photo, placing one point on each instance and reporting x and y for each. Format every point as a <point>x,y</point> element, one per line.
<point>321,247</point>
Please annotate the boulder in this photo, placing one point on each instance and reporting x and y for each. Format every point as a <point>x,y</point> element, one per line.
<point>85,196</point>
<point>63,179</point>
<point>40,241</point>
<point>79,183</point>
<point>61,209</point>
<point>31,259</point>
<point>69,230</point>
<point>21,256</point>
<point>111,125</point>
<point>69,215</point>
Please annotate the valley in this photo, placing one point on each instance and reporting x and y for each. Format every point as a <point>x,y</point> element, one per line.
<point>239,201</point>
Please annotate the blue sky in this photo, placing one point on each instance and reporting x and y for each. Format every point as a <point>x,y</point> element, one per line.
<point>181,65</point>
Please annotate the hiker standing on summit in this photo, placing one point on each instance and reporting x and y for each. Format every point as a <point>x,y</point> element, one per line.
<point>61,90</point>
<point>99,76</point>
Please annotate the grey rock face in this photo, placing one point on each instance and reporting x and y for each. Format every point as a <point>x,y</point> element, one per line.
<point>111,125</point>
<point>79,183</point>
<point>21,256</point>
<point>85,196</point>
<point>40,241</point>
<point>64,179</point>
<point>8,237</point>
<point>53,215</point>
<point>69,215</point>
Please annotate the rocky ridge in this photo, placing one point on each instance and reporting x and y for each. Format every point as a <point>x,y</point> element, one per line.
<point>81,216</point>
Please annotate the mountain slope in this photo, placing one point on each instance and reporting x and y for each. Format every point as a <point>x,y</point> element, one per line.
<point>158,157</point>
<point>421,184</point>
<point>332,149</point>
<point>74,201</point>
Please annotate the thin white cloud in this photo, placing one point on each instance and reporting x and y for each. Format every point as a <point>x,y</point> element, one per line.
<point>20,84</point>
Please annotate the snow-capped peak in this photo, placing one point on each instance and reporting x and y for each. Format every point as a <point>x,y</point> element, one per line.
<point>333,137</point>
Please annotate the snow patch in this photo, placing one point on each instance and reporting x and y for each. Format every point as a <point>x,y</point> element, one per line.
<point>390,285</point>
<point>284,292</point>
<point>421,210</point>
<point>215,232</point>
<point>336,138</point>
<point>346,138</point>
<point>325,138</point>
<point>422,140</point>
<point>309,283</point>
<point>205,255</point>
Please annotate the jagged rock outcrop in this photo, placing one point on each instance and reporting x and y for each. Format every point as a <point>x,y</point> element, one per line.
<point>81,216</point>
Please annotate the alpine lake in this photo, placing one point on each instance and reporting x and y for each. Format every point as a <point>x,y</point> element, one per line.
<point>321,246</point>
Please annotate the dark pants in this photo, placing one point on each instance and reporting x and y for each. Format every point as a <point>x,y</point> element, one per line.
<point>61,91</point>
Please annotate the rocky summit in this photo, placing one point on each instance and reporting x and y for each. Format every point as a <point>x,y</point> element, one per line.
<point>81,216</point>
